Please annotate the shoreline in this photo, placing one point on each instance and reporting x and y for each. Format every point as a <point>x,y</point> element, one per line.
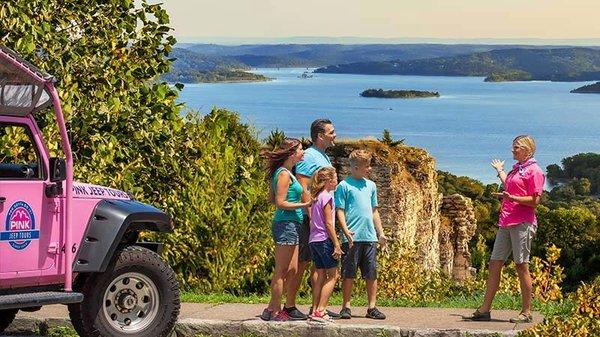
<point>269,79</point>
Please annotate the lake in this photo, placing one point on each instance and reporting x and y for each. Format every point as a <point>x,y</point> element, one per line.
<point>471,123</point>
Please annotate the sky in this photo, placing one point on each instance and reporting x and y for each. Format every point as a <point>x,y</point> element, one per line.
<point>384,20</point>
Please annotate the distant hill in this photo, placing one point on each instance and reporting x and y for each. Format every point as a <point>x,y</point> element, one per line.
<point>588,89</point>
<point>317,55</point>
<point>191,67</point>
<point>557,64</point>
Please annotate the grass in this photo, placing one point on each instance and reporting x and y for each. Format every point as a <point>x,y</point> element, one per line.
<point>61,331</point>
<point>243,334</point>
<point>501,302</point>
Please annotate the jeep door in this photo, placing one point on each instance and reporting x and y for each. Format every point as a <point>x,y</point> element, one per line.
<point>25,212</point>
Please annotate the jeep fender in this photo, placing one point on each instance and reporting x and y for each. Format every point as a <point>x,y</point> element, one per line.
<point>111,222</point>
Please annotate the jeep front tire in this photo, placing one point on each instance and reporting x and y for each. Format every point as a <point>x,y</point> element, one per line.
<point>138,295</point>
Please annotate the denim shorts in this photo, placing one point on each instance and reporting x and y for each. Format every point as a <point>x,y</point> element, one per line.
<point>516,240</point>
<point>285,233</point>
<point>322,254</point>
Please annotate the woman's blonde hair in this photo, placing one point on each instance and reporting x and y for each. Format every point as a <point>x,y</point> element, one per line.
<point>527,142</point>
<point>319,179</point>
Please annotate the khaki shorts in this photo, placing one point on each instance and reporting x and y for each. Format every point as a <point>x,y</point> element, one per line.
<point>516,239</point>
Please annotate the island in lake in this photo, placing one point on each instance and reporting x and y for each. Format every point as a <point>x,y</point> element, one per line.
<point>398,93</point>
<point>509,76</point>
<point>588,89</point>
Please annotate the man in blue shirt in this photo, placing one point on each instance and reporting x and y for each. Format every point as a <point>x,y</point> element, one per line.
<point>322,134</point>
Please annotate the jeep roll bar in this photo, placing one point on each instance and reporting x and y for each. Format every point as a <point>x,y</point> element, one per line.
<point>24,90</point>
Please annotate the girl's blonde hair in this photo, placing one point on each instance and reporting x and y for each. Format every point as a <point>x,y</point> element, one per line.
<point>527,142</point>
<point>319,179</point>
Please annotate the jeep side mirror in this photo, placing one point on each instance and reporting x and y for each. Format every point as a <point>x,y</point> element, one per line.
<point>58,169</point>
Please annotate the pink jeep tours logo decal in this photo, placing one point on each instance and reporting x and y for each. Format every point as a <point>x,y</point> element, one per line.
<point>20,226</point>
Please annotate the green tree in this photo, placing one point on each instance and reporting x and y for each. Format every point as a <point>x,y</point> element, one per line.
<point>387,139</point>
<point>575,230</point>
<point>582,165</point>
<point>126,132</point>
<point>274,139</point>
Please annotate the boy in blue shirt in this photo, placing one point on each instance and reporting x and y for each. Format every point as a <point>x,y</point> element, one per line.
<point>358,217</point>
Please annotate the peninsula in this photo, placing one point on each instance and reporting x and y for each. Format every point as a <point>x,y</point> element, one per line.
<point>588,89</point>
<point>520,64</point>
<point>191,67</point>
<point>380,93</point>
<point>228,75</point>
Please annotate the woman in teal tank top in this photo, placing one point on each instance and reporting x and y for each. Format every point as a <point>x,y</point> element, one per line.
<point>286,193</point>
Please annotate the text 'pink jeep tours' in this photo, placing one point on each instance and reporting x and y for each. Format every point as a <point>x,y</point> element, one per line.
<point>67,242</point>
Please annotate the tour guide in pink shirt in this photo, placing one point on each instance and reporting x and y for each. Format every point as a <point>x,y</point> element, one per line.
<point>523,186</point>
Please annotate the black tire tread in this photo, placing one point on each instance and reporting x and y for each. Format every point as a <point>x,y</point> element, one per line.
<point>85,325</point>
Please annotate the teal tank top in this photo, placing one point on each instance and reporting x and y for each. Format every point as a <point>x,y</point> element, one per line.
<point>294,194</point>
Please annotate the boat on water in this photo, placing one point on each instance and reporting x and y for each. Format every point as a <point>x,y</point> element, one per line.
<point>306,74</point>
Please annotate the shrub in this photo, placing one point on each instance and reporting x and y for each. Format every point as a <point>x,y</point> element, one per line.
<point>547,275</point>
<point>274,139</point>
<point>219,202</point>
<point>584,320</point>
<point>404,277</point>
<point>387,139</point>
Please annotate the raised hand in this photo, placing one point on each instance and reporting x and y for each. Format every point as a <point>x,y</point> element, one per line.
<point>498,164</point>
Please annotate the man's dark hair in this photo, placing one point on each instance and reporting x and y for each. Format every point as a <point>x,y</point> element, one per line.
<point>317,127</point>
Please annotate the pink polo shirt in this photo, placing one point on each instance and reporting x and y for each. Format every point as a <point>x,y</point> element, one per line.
<point>525,179</point>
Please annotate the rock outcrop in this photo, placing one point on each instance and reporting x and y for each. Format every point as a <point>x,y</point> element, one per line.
<point>458,227</point>
<point>411,207</point>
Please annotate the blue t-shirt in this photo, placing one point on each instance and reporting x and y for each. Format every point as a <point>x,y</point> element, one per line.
<point>358,197</point>
<point>314,159</point>
<point>294,194</point>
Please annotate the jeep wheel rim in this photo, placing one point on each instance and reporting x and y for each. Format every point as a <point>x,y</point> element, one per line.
<point>131,303</point>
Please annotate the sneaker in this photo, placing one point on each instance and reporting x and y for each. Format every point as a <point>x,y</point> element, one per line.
<point>321,317</point>
<point>331,314</point>
<point>295,314</point>
<point>281,316</point>
<point>522,318</point>
<point>267,314</point>
<point>345,313</point>
<point>374,313</point>
<point>480,316</point>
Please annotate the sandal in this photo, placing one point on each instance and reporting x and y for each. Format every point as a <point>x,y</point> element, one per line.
<point>480,316</point>
<point>522,318</point>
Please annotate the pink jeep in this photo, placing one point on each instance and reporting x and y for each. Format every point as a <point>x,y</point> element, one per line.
<point>67,242</point>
